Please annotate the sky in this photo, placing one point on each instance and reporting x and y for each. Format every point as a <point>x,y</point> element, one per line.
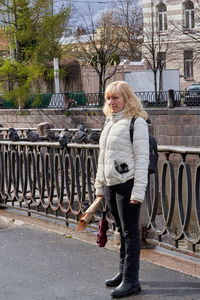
<point>96,7</point>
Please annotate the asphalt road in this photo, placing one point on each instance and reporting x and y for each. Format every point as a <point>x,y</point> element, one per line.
<point>39,265</point>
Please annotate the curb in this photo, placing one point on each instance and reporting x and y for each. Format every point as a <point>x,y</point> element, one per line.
<point>171,260</point>
<point>158,256</point>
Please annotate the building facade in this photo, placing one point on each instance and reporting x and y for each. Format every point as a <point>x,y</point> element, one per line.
<point>174,28</point>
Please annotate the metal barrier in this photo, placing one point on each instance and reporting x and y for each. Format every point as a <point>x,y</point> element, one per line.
<point>45,179</point>
<point>173,199</point>
<point>72,100</point>
<point>92,100</point>
<point>42,178</point>
<point>95,100</point>
<point>159,99</point>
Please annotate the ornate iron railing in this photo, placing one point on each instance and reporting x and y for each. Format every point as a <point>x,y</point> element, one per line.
<point>173,198</point>
<point>43,178</point>
<point>46,179</point>
<point>149,99</point>
<point>71,100</point>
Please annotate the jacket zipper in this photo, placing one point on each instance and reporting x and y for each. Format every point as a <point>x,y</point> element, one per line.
<point>105,152</point>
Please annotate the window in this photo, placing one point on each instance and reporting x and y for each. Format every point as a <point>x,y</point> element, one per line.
<point>189,15</point>
<point>162,17</point>
<point>188,64</point>
<point>161,58</point>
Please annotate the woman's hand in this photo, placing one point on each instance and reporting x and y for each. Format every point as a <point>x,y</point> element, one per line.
<point>101,196</point>
<point>132,201</point>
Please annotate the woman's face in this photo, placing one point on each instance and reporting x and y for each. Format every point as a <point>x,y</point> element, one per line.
<point>116,102</point>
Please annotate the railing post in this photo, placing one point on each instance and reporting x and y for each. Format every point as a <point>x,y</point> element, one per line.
<point>170,100</point>
<point>1,134</point>
<point>66,102</point>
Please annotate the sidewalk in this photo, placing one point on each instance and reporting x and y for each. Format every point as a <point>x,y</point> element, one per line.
<point>40,263</point>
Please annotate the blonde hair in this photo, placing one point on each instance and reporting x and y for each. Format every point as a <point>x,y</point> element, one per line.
<point>133,106</point>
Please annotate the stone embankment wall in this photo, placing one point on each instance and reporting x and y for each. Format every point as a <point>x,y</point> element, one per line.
<point>178,126</point>
<point>30,118</point>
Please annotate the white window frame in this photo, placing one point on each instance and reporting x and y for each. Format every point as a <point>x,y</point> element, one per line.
<point>189,18</point>
<point>188,66</point>
<point>163,16</point>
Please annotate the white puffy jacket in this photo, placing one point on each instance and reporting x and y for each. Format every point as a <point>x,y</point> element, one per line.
<point>115,145</point>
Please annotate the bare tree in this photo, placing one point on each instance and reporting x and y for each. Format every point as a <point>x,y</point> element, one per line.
<point>97,45</point>
<point>157,49</point>
<point>128,15</point>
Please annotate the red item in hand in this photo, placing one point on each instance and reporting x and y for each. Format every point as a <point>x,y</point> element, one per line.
<point>101,236</point>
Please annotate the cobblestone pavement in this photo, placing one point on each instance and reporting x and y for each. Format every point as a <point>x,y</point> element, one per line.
<point>37,264</point>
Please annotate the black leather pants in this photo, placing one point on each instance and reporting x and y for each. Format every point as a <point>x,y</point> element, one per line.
<point>126,217</point>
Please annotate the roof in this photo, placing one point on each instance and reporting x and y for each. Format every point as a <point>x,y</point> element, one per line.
<point>73,40</point>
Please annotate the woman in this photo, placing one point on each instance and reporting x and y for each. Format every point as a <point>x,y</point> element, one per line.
<point>122,178</point>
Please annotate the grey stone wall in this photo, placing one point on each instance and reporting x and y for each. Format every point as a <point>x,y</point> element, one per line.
<point>178,126</point>
<point>30,118</point>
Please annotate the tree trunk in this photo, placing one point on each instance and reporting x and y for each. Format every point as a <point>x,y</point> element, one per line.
<point>160,84</point>
<point>16,29</point>
<point>100,84</point>
<point>160,80</point>
<point>101,89</point>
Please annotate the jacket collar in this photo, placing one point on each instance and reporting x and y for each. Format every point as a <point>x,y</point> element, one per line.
<point>117,116</point>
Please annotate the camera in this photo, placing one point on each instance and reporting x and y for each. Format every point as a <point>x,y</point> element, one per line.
<point>121,168</point>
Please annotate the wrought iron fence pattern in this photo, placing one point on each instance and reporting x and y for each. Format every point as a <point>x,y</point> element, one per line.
<point>95,100</point>
<point>149,99</point>
<point>46,179</point>
<point>177,187</point>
